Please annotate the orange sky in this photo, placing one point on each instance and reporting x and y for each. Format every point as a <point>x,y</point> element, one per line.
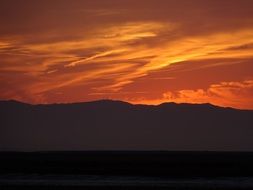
<point>195,51</point>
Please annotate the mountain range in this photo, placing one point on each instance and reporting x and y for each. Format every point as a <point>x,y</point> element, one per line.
<point>117,125</point>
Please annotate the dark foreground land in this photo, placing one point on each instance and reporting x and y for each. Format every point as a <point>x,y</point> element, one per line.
<point>126,170</point>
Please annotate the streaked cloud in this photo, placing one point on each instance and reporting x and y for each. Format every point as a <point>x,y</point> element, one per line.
<point>108,48</point>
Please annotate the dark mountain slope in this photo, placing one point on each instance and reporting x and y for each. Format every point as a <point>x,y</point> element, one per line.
<point>115,125</point>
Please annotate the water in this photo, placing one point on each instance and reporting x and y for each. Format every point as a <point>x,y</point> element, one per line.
<point>125,181</point>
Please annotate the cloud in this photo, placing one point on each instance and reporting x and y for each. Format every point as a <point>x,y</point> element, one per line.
<point>227,94</point>
<point>64,46</point>
<point>98,55</point>
<point>123,61</point>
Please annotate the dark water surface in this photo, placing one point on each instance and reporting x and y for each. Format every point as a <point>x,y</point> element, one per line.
<point>92,181</point>
<point>126,170</point>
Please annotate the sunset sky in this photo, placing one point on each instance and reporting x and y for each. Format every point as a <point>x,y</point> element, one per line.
<point>139,51</point>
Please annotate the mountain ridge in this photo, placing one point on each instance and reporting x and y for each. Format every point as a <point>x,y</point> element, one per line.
<point>106,101</point>
<point>113,125</point>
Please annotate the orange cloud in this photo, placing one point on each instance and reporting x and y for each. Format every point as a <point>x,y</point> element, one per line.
<point>109,48</point>
<point>227,94</point>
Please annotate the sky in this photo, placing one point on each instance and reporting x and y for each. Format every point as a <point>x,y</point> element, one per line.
<point>142,52</point>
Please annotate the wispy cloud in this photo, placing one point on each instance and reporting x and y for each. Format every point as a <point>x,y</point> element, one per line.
<point>227,94</point>
<point>103,49</point>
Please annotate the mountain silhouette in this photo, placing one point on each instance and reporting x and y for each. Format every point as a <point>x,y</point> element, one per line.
<point>116,125</point>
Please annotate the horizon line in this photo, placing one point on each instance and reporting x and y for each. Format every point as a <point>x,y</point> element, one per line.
<point>126,102</point>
